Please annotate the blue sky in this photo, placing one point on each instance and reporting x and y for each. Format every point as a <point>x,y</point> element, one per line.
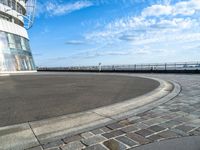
<point>86,32</point>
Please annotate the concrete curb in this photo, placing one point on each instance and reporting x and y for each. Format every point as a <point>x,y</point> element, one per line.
<point>17,72</point>
<point>44,131</point>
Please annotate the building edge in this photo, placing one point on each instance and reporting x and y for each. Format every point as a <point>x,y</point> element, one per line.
<point>15,52</point>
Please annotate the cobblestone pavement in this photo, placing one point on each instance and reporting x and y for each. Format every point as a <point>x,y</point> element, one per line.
<point>177,118</point>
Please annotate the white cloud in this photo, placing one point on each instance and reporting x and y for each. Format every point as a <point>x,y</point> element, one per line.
<point>157,10</point>
<point>74,42</point>
<point>186,8</point>
<point>56,9</point>
<point>163,35</point>
<point>88,54</point>
<point>142,28</point>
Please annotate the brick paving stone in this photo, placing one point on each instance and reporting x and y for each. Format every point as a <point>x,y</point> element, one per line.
<point>188,109</point>
<point>55,148</point>
<point>146,117</point>
<point>76,145</point>
<point>180,113</point>
<point>168,134</point>
<point>114,145</point>
<point>169,116</point>
<point>127,141</point>
<point>137,121</point>
<point>153,115</point>
<point>156,128</point>
<point>114,126</point>
<point>105,129</point>
<point>144,132</point>
<point>53,144</point>
<point>192,117</point>
<point>155,137</point>
<point>93,140</point>
<point>129,128</point>
<point>87,134</point>
<point>138,138</point>
<point>124,122</point>
<point>97,131</point>
<point>170,124</point>
<point>72,138</point>
<point>150,112</point>
<point>96,147</point>
<point>196,105</point>
<point>195,113</point>
<point>36,148</point>
<point>194,123</point>
<point>183,119</point>
<point>154,121</point>
<point>133,118</point>
<point>177,131</point>
<point>184,128</point>
<point>141,125</point>
<point>174,110</point>
<point>158,111</point>
<point>113,134</point>
<point>195,132</point>
<point>142,114</point>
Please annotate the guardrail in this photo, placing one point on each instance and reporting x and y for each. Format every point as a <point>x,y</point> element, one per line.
<point>193,67</point>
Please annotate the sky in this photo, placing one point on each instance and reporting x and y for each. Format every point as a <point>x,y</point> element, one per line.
<point>86,32</point>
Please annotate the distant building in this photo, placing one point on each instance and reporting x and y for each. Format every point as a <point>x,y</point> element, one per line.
<point>15,53</point>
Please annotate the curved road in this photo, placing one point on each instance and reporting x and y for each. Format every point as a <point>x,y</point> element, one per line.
<point>34,97</point>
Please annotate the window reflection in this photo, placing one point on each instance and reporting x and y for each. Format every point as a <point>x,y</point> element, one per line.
<point>3,41</point>
<point>15,53</point>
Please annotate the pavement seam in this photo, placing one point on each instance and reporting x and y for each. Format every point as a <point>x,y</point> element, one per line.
<point>105,116</point>
<point>35,135</point>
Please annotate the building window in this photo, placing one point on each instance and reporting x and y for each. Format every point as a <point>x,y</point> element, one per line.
<point>11,41</point>
<point>15,53</point>
<point>17,42</point>
<point>3,41</point>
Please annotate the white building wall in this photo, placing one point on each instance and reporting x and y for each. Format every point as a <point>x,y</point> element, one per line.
<point>13,28</point>
<point>9,11</point>
<point>21,3</point>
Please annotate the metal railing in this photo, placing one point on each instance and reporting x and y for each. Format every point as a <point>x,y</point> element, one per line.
<point>137,67</point>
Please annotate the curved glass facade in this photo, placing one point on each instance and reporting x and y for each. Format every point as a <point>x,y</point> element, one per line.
<point>15,54</point>
<point>14,5</point>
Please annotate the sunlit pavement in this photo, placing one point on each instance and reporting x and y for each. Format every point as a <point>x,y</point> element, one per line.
<point>27,98</point>
<point>177,118</point>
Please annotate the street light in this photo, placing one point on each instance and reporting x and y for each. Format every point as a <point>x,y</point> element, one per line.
<point>99,67</point>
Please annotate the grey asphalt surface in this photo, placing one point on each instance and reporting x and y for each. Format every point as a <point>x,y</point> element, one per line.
<point>35,97</point>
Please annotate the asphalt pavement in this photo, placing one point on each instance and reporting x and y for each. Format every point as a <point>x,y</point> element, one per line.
<point>26,98</point>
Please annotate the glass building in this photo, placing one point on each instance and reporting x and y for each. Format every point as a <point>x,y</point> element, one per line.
<point>15,53</point>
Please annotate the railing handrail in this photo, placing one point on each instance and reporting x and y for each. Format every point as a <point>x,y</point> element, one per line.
<point>174,65</point>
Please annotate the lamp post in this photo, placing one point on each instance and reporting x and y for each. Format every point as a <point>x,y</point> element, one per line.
<point>99,67</point>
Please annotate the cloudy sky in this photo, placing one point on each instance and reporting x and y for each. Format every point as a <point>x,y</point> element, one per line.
<point>86,32</point>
